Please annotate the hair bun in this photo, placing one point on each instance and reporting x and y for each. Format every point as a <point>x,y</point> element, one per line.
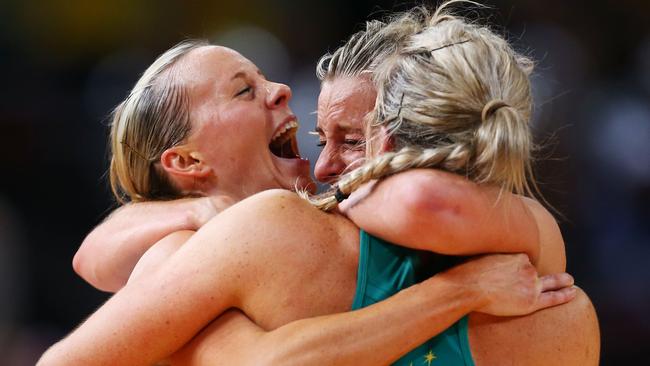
<point>491,107</point>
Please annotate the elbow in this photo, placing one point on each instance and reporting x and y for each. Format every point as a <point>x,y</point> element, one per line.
<point>431,209</point>
<point>430,193</point>
<point>46,360</point>
<point>79,265</point>
<point>50,358</point>
<point>423,210</point>
<point>82,266</point>
<point>87,268</point>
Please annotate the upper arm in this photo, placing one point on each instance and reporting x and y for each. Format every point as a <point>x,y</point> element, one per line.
<point>155,256</point>
<point>228,340</point>
<point>111,250</point>
<point>446,213</point>
<point>569,332</point>
<point>552,253</point>
<point>199,281</point>
<point>216,269</point>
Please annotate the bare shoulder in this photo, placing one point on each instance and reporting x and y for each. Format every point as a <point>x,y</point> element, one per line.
<point>552,256</point>
<point>540,212</point>
<point>285,204</point>
<point>567,334</point>
<point>280,220</point>
<point>277,199</point>
<point>283,208</point>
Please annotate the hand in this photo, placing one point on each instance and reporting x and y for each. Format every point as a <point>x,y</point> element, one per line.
<point>209,207</point>
<point>508,285</point>
<point>356,197</point>
<point>221,202</point>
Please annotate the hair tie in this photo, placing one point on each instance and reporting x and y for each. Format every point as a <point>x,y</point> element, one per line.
<point>340,196</point>
<point>492,107</point>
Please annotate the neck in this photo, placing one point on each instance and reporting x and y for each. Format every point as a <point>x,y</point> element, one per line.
<point>233,195</point>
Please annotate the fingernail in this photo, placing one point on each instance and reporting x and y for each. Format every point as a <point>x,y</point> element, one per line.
<point>569,277</point>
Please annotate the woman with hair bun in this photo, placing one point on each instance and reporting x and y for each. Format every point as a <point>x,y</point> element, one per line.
<point>270,267</point>
<point>455,97</point>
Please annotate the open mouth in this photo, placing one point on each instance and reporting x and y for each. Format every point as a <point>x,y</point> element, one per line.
<point>284,143</point>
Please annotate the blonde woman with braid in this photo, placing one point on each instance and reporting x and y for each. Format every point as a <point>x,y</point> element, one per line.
<point>456,97</point>
<point>270,257</point>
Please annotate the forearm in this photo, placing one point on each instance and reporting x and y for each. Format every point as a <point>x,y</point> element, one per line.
<point>137,326</point>
<point>110,252</point>
<point>446,213</point>
<point>378,334</point>
<point>504,285</point>
<point>155,315</point>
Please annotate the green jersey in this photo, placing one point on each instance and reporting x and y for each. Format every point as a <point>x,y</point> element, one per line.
<point>384,270</point>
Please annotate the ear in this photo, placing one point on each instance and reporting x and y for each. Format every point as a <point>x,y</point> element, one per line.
<point>185,162</point>
<point>387,141</point>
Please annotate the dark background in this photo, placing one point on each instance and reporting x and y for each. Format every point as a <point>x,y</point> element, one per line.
<point>65,64</point>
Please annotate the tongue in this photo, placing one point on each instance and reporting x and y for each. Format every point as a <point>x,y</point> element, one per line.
<point>283,150</point>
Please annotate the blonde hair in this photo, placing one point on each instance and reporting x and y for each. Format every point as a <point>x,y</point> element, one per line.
<point>364,50</point>
<point>153,117</point>
<point>456,97</point>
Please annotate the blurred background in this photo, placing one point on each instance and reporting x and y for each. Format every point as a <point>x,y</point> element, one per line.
<point>66,64</point>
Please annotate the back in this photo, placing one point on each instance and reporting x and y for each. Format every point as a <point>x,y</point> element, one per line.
<point>306,262</point>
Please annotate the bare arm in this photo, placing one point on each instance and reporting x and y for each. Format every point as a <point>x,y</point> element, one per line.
<point>161,311</point>
<point>109,253</point>
<point>381,333</point>
<point>374,335</point>
<point>565,335</point>
<point>369,336</point>
<point>442,212</point>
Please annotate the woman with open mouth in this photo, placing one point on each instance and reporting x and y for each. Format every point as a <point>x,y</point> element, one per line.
<point>204,121</point>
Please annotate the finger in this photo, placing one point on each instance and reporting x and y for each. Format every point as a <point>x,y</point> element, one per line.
<point>556,281</point>
<point>553,298</point>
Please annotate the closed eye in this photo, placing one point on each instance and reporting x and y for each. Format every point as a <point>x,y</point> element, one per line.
<point>244,91</point>
<point>353,144</point>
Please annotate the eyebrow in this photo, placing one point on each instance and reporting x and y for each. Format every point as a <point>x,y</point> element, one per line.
<point>242,74</point>
<point>341,127</point>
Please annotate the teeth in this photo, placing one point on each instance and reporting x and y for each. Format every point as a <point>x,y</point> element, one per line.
<point>289,126</point>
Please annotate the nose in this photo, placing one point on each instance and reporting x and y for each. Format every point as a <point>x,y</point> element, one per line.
<point>328,166</point>
<point>278,95</point>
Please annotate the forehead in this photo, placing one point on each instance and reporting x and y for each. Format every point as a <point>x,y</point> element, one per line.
<point>210,75</point>
<point>344,102</point>
<point>211,66</point>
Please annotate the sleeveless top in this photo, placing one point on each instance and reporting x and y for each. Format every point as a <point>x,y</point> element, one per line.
<point>384,270</point>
